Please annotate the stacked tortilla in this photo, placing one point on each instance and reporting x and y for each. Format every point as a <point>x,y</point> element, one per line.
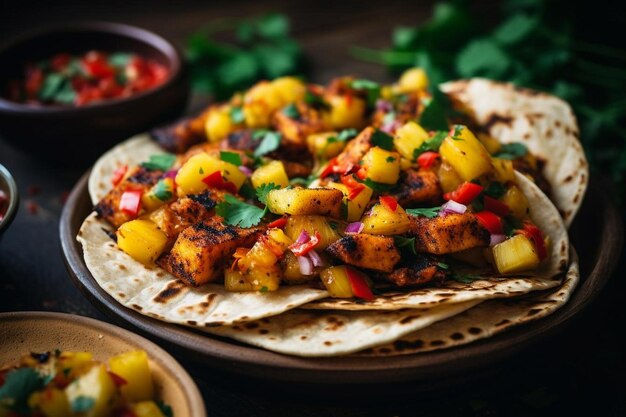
<point>303,321</point>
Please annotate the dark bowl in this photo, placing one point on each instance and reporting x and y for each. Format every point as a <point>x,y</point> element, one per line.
<point>7,184</point>
<point>80,134</point>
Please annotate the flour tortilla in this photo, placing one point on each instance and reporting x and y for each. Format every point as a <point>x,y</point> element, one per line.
<point>544,123</point>
<point>482,321</point>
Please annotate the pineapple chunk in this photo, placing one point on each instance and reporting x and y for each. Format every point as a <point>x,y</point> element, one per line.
<point>260,103</point>
<point>382,221</point>
<point>134,368</point>
<point>274,172</point>
<point>413,79</point>
<point>142,240</point>
<point>159,194</point>
<point>492,144</point>
<point>259,256</point>
<point>293,201</point>
<point>517,202</point>
<point>321,146</point>
<point>466,154</point>
<point>218,124</point>
<point>448,178</point>
<point>346,111</point>
<point>289,89</point>
<point>261,278</point>
<point>52,402</point>
<point>408,138</point>
<point>198,167</point>
<point>336,281</point>
<point>356,206</point>
<point>146,409</point>
<point>297,224</point>
<point>382,166</point>
<point>93,394</point>
<point>73,364</point>
<point>503,170</point>
<point>515,255</point>
<point>234,281</point>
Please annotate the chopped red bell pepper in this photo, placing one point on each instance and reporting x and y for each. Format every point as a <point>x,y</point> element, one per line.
<point>130,202</point>
<point>491,222</point>
<point>329,168</point>
<point>216,181</point>
<point>354,187</point>
<point>96,65</point>
<point>361,173</point>
<point>118,174</point>
<point>533,233</point>
<point>117,380</point>
<point>278,223</point>
<point>300,249</point>
<point>427,159</point>
<point>359,285</point>
<point>496,206</point>
<point>389,202</point>
<point>465,193</point>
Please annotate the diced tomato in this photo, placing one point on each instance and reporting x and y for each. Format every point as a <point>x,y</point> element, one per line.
<point>491,222</point>
<point>109,87</point>
<point>216,181</point>
<point>158,71</point>
<point>96,65</point>
<point>118,174</point>
<point>427,159</point>
<point>329,168</point>
<point>130,202</point>
<point>33,81</point>
<point>359,285</point>
<point>60,61</point>
<point>354,187</point>
<point>361,173</point>
<point>88,94</point>
<point>389,202</point>
<point>465,193</point>
<point>117,380</point>
<point>496,206</point>
<point>533,233</point>
<point>278,223</point>
<point>300,249</point>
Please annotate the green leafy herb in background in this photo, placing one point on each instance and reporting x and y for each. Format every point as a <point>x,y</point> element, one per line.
<point>533,46</point>
<point>229,55</point>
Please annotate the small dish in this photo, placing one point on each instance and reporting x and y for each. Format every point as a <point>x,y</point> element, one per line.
<point>8,208</point>
<point>33,331</point>
<point>61,133</point>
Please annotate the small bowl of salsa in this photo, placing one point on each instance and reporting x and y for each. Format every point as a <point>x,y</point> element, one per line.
<point>69,93</point>
<point>9,199</point>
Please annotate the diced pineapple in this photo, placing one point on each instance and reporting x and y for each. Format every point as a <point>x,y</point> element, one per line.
<point>346,111</point>
<point>260,103</point>
<point>492,144</point>
<point>517,202</point>
<point>159,194</point>
<point>146,409</point>
<point>297,224</point>
<point>291,270</point>
<point>73,364</point>
<point>278,237</point>
<point>274,172</point>
<point>515,255</point>
<point>336,281</point>
<point>51,402</point>
<point>234,281</point>
<point>93,394</point>
<point>264,278</point>
<point>198,167</point>
<point>218,124</point>
<point>323,146</point>
<point>466,154</point>
<point>356,206</point>
<point>448,178</point>
<point>134,368</point>
<point>382,221</point>
<point>142,240</point>
<point>503,170</point>
<point>408,138</point>
<point>259,256</point>
<point>289,89</point>
<point>382,166</point>
<point>293,201</point>
<point>413,79</point>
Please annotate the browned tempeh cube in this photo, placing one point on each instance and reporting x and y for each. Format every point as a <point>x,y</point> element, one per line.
<point>448,234</point>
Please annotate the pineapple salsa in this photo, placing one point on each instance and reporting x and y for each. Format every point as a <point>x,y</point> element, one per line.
<point>345,185</point>
<point>66,384</point>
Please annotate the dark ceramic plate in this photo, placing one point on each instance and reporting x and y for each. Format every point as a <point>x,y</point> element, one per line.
<point>593,234</point>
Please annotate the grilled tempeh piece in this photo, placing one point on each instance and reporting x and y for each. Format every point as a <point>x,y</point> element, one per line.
<point>421,269</point>
<point>447,234</point>
<point>418,188</point>
<point>201,251</point>
<point>296,130</point>
<point>355,150</point>
<point>180,136</point>
<point>138,178</point>
<point>366,251</point>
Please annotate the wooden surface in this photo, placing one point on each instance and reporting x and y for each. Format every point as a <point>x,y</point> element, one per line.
<point>576,372</point>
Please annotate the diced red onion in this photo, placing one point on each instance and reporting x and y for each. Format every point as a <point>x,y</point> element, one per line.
<point>171,174</point>
<point>356,227</point>
<point>495,239</point>
<point>452,206</point>
<point>304,237</point>
<point>315,258</point>
<point>306,266</point>
<point>384,105</point>
<point>391,127</point>
<point>245,170</point>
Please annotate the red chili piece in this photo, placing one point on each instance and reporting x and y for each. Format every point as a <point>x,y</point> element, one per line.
<point>389,202</point>
<point>118,174</point>
<point>427,159</point>
<point>359,285</point>
<point>130,203</point>
<point>354,187</point>
<point>533,233</point>
<point>278,223</point>
<point>300,249</point>
<point>216,181</point>
<point>491,222</point>
<point>465,193</point>
<point>496,206</point>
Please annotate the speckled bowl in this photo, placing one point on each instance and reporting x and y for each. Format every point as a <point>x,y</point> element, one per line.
<point>24,332</point>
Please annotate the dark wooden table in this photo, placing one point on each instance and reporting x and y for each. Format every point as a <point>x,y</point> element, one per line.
<point>579,371</point>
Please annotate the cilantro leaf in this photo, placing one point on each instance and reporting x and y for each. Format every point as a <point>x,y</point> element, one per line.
<point>346,134</point>
<point>18,386</point>
<point>405,243</point>
<point>236,115</point>
<point>515,29</point>
<point>291,111</point>
<point>315,101</point>
<point>162,191</point>
<point>238,213</point>
<point>161,162</point>
<point>83,403</point>
<point>495,189</point>
<point>119,59</point>
<point>483,57</point>
<point>434,115</point>
<point>464,278</point>
<point>231,157</point>
<point>382,140</point>
<point>165,409</point>
<point>431,144</point>
<point>51,85</point>
<point>269,143</point>
<point>370,87</point>
<point>443,265</point>
<point>376,186</point>
<point>426,212</point>
<point>512,151</point>
<point>264,189</point>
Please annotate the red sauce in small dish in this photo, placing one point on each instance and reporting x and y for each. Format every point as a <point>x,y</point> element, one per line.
<point>4,204</point>
<point>92,77</point>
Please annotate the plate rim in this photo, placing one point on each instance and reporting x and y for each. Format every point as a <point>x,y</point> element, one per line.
<point>256,362</point>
